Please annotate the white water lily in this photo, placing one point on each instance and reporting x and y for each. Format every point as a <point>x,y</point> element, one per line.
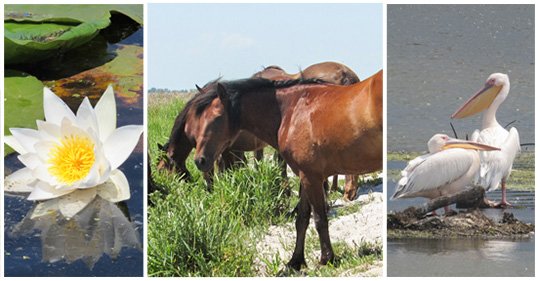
<point>71,158</point>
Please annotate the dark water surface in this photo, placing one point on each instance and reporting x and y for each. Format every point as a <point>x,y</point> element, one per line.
<point>440,55</point>
<point>23,254</point>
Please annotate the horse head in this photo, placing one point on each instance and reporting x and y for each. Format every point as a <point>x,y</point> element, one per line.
<point>216,131</point>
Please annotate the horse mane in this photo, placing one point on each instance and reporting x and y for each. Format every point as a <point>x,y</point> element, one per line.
<point>199,102</point>
<point>238,88</point>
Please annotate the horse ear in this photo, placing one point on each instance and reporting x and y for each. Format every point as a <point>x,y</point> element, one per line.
<point>199,89</point>
<point>222,93</point>
<point>160,146</point>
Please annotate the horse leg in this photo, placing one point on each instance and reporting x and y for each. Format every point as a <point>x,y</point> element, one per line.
<point>351,186</point>
<point>318,205</point>
<point>226,160</point>
<point>209,178</point>
<point>240,158</point>
<point>259,155</point>
<point>303,210</point>
<point>283,167</point>
<point>282,164</point>
<point>334,183</point>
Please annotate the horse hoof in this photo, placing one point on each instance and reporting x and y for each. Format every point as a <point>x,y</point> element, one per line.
<point>296,265</point>
<point>328,259</point>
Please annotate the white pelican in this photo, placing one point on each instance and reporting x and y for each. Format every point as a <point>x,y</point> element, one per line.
<point>449,167</point>
<point>495,165</point>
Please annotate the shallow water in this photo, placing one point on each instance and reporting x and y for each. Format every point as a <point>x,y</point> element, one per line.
<point>24,253</point>
<point>440,55</point>
<point>460,257</point>
<point>463,256</point>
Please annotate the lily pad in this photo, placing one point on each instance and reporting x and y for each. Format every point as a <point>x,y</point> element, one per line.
<point>36,32</point>
<point>124,72</point>
<point>23,102</point>
<point>69,13</point>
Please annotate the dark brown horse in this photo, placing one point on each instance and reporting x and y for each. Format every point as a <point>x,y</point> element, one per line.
<point>330,72</point>
<point>320,130</point>
<point>182,138</point>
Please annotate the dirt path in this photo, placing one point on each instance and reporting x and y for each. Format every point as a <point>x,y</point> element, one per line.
<point>363,225</point>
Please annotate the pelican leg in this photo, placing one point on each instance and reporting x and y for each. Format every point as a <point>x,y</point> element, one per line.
<point>448,211</point>
<point>503,203</point>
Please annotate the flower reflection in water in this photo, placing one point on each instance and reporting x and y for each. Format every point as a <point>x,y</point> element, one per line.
<point>102,227</point>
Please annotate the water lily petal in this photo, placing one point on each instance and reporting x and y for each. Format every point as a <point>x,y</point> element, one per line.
<point>91,180</point>
<point>48,131</point>
<point>106,114</point>
<point>69,128</point>
<point>103,162</point>
<point>30,160</point>
<point>54,108</point>
<point>26,138</point>
<point>74,202</point>
<point>115,190</point>
<point>43,149</point>
<point>12,142</point>
<point>45,208</point>
<point>86,117</point>
<point>19,181</point>
<point>44,191</point>
<point>121,143</point>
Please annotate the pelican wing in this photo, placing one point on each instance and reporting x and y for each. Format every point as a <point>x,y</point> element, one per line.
<point>497,165</point>
<point>475,135</point>
<point>433,171</point>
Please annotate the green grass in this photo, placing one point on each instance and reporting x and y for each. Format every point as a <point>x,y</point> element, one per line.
<point>195,233</point>
<point>350,261</point>
<point>192,232</point>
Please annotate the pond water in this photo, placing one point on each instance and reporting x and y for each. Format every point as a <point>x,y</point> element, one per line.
<point>104,239</point>
<point>465,256</point>
<point>440,55</point>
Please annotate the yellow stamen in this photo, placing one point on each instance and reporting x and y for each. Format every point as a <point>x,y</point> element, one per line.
<point>72,159</point>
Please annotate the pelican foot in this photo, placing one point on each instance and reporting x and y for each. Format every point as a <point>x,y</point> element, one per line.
<point>432,214</point>
<point>488,204</point>
<point>450,212</point>
<point>503,205</point>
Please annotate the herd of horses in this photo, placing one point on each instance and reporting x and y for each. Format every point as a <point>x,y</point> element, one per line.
<point>322,121</point>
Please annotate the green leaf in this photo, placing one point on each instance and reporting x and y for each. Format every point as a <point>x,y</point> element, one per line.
<point>69,13</point>
<point>23,102</point>
<point>36,32</point>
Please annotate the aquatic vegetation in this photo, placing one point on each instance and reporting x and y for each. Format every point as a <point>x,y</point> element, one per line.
<point>72,158</point>
<point>36,32</point>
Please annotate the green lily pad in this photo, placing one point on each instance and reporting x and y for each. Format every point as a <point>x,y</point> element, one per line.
<point>69,13</point>
<point>36,32</point>
<point>23,102</point>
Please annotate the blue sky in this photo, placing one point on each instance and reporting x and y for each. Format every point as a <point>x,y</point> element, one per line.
<point>192,44</point>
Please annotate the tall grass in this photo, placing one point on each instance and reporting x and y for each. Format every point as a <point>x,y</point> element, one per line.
<point>192,232</point>
<point>195,233</point>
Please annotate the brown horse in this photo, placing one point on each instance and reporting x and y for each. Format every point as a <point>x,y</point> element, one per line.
<point>182,138</point>
<point>330,72</point>
<point>320,130</point>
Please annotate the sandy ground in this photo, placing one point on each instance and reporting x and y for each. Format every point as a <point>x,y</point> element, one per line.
<point>366,225</point>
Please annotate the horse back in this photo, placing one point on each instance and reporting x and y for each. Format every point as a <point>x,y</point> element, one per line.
<point>335,129</point>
